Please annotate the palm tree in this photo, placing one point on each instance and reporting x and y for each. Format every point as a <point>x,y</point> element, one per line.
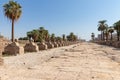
<point>111,30</point>
<point>93,36</point>
<point>102,27</point>
<point>43,34</point>
<point>117,28</point>
<point>46,35</point>
<point>71,37</point>
<point>35,35</point>
<point>58,39</point>
<point>29,35</point>
<point>52,37</point>
<point>63,36</point>
<point>99,29</point>
<point>106,32</point>
<point>12,11</point>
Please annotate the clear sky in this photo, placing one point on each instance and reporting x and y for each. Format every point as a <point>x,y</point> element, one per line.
<point>61,16</point>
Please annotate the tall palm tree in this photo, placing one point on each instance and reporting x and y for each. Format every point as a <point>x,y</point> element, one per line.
<point>99,29</point>
<point>117,28</point>
<point>58,39</point>
<point>102,27</point>
<point>52,37</point>
<point>43,34</point>
<point>46,35</point>
<point>93,36</point>
<point>106,32</point>
<point>35,35</point>
<point>12,11</point>
<point>29,35</point>
<point>63,36</point>
<point>71,37</point>
<point>111,30</point>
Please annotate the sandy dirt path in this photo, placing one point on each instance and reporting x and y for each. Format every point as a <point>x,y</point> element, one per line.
<point>84,61</point>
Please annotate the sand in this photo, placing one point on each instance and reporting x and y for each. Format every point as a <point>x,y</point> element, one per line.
<point>83,61</point>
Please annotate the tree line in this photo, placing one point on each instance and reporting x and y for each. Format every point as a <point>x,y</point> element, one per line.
<point>43,35</point>
<point>107,31</point>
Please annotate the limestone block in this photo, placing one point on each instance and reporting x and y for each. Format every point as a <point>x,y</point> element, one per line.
<point>13,49</point>
<point>42,46</point>
<point>31,47</point>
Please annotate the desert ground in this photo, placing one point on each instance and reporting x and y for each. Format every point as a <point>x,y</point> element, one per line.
<point>83,61</point>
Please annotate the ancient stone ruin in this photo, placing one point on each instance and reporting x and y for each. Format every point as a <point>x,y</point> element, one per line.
<point>3,42</point>
<point>55,44</point>
<point>42,46</point>
<point>13,49</point>
<point>31,47</point>
<point>50,45</point>
<point>62,43</point>
<point>59,44</point>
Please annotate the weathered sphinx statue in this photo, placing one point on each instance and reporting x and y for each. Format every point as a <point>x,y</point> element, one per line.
<point>42,46</point>
<point>31,47</point>
<point>55,44</point>
<point>13,49</point>
<point>50,45</point>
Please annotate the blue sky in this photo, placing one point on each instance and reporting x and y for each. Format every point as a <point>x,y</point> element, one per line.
<point>61,16</point>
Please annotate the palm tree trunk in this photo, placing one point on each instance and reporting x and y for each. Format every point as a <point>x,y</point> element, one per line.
<point>101,35</point>
<point>111,36</point>
<point>117,36</point>
<point>107,35</point>
<point>12,30</point>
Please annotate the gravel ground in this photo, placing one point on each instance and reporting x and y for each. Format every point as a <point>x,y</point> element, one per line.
<point>83,61</point>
